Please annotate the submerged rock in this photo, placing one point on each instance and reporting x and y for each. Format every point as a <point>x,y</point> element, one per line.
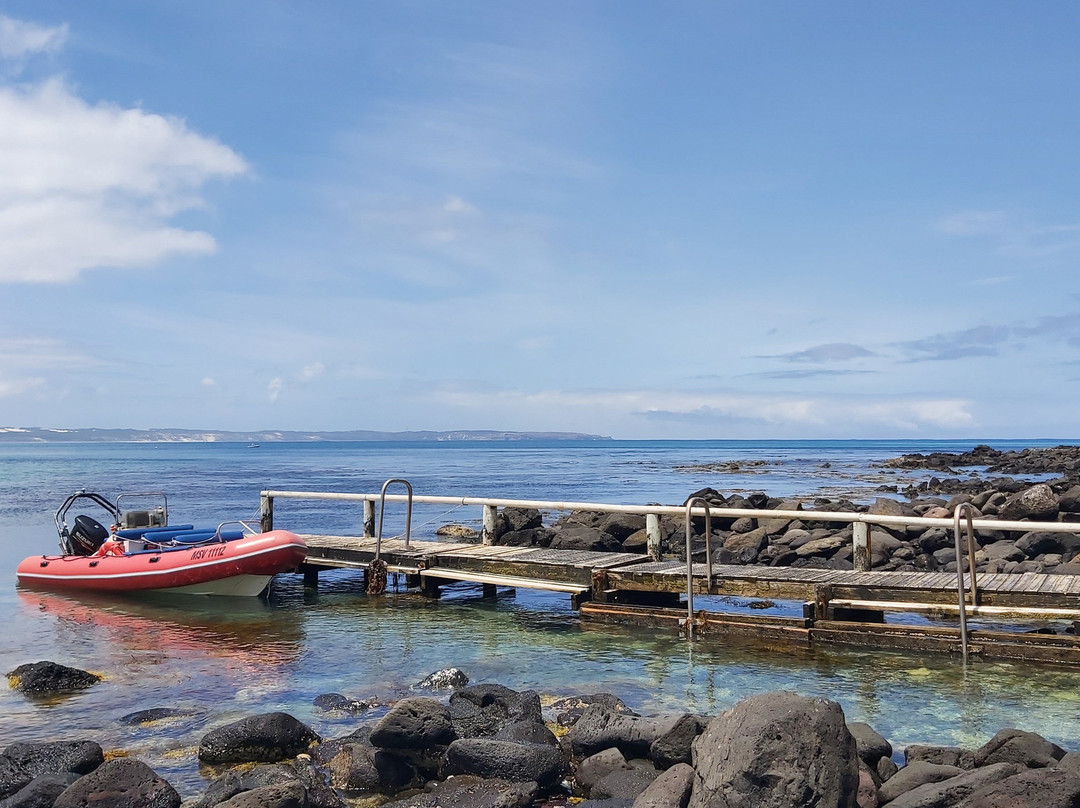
<point>445,679</point>
<point>45,678</point>
<point>336,702</point>
<point>153,715</point>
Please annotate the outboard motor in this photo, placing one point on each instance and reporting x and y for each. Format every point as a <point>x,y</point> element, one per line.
<point>86,536</point>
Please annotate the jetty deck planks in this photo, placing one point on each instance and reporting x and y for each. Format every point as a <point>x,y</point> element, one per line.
<point>534,566</point>
<point>621,585</point>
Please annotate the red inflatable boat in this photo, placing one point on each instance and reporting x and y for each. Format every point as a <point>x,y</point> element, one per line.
<point>142,552</point>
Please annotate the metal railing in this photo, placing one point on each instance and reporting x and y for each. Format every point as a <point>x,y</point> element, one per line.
<point>490,504</point>
<point>698,506</point>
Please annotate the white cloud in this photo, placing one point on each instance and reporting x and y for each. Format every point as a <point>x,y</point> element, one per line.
<point>41,352</point>
<point>975,223</point>
<point>209,382</point>
<point>275,387</point>
<point>19,39</point>
<point>1013,234</point>
<point>311,371</point>
<point>456,204</point>
<point>790,412</point>
<point>85,186</point>
<point>17,387</point>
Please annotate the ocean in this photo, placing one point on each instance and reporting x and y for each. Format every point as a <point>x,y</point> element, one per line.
<point>222,659</point>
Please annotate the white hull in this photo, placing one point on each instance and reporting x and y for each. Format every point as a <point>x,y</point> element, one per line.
<point>235,585</point>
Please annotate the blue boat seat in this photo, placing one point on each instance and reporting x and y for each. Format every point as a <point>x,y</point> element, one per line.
<point>179,534</point>
<point>152,533</point>
<point>200,536</point>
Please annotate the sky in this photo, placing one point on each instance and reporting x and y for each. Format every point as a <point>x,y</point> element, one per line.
<point>680,220</point>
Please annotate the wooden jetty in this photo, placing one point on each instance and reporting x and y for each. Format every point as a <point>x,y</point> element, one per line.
<point>853,607</point>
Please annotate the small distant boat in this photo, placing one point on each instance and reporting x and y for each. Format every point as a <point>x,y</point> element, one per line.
<point>141,552</point>
<point>253,446</point>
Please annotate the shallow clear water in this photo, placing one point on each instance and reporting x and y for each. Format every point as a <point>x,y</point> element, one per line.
<point>222,659</point>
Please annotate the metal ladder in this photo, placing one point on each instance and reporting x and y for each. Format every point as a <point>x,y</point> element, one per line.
<point>964,509</point>
<point>689,621</point>
<point>376,584</point>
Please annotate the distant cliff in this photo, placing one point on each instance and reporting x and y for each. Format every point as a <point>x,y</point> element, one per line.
<point>13,434</point>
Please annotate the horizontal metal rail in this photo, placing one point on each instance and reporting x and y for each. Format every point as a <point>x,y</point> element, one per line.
<point>678,510</point>
<point>503,580</point>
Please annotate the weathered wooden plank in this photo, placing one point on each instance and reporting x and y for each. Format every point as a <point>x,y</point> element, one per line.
<point>553,572</point>
<point>584,558</point>
<point>504,580</point>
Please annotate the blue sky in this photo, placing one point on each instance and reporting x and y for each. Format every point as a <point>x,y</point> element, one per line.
<point>644,220</point>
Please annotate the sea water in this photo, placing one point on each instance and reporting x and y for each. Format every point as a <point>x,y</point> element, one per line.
<point>219,659</point>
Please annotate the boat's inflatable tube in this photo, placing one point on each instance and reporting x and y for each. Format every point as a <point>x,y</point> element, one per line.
<point>264,554</point>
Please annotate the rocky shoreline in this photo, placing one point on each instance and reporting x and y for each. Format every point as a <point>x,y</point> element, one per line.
<point>488,746</point>
<point>808,541</point>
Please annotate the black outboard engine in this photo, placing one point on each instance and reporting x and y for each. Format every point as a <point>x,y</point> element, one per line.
<point>86,536</point>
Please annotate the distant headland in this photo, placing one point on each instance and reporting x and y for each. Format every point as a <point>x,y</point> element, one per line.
<point>13,434</point>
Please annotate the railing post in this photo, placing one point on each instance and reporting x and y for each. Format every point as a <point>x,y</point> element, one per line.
<point>266,513</point>
<point>861,546</point>
<point>369,519</point>
<point>652,528</point>
<point>487,534</point>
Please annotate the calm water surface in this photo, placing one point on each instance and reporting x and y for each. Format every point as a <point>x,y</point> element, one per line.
<point>222,659</point>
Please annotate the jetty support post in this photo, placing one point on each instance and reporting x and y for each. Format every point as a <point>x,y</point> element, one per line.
<point>369,519</point>
<point>266,513</point>
<point>861,546</point>
<point>487,534</point>
<point>652,529</point>
<point>429,587</point>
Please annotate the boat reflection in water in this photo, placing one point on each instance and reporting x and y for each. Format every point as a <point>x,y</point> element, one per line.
<point>247,632</point>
